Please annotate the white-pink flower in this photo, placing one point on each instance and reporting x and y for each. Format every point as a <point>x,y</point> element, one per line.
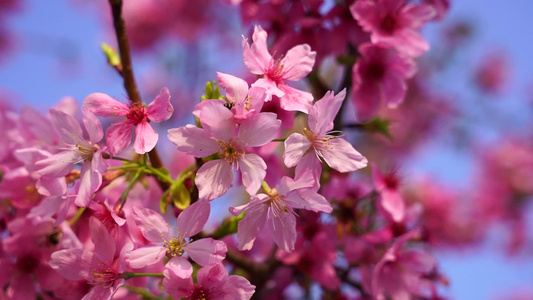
<point>305,151</point>
<point>297,63</point>
<point>220,134</point>
<point>277,210</point>
<point>78,150</point>
<point>154,228</point>
<point>137,114</point>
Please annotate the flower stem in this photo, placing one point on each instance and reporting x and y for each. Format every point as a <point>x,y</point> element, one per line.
<point>124,196</point>
<point>279,140</point>
<point>77,216</point>
<point>128,275</point>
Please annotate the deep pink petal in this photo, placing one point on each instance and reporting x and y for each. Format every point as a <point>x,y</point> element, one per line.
<point>212,276</point>
<point>118,137</point>
<point>208,251</point>
<point>393,90</point>
<point>366,99</point>
<point>341,156</point>
<point>394,204</point>
<point>298,62</point>
<point>192,220</point>
<point>145,138</point>
<point>160,109</point>
<point>259,129</point>
<point>105,106</point>
<point>323,112</point>
<point>366,13</point>
<point>296,145</point>
<point>236,88</point>
<point>22,287</point>
<point>213,179</point>
<point>251,224</point>
<point>415,15</point>
<point>193,140</point>
<point>152,225</point>
<point>253,170</point>
<point>145,256</point>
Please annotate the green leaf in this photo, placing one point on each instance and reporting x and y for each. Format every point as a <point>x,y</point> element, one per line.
<point>181,197</point>
<point>212,91</point>
<point>113,58</point>
<point>378,125</point>
<point>228,226</point>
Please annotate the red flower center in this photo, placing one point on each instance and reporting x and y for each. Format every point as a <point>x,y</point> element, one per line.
<point>137,114</point>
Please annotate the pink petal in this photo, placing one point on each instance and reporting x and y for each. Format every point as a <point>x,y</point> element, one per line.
<point>309,200</point>
<point>251,224</point>
<point>30,156</point>
<point>416,15</point>
<point>69,129</point>
<point>283,229</point>
<point>197,112</point>
<point>118,137</point>
<point>298,62</point>
<point>105,106</point>
<point>218,121</point>
<point>208,251</point>
<point>90,181</point>
<point>366,13</point>
<point>310,163</point>
<point>394,204</point>
<point>295,100</point>
<point>410,43</point>
<point>259,129</point>
<point>366,99</point>
<point>255,100</point>
<point>323,112</point>
<point>417,261</point>
<point>192,220</point>
<point>145,256</point>
<point>213,179</point>
<point>236,88</point>
<point>341,156</point>
<point>239,288</point>
<point>253,170</point>
<point>193,140</point>
<point>287,184</point>
<point>296,145</point>
<point>50,186</point>
<point>270,86</point>
<point>179,266</point>
<point>104,244</point>
<point>178,278</point>
<point>145,138</point>
<point>93,126</point>
<point>254,201</point>
<point>72,263</point>
<point>152,225</point>
<point>393,90</point>
<point>160,109</point>
<point>212,276</point>
<point>257,58</point>
<point>58,165</point>
<point>22,287</point>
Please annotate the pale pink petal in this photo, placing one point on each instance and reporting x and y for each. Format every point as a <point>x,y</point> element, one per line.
<point>323,112</point>
<point>177,282</point>
<point>93,126</point>
<point>239,288</point>
<point>416,14</point>
<point>393,203</point>
<point>270,86</point>
<point>287,184</point>
<point>98,163</point>
<point>197,112</point>
<point>251,224</point>
<point>72,263</point>
<point>118,136</point>
<point>160,109</point>
<point>30,156</point>
<point>152,225</point>
<point>51,186</point>
<point>193,140</point>
<point>255,200</point>
<point>259,129</point>
<point>68,128</point>
<point>104,244</point>
<point>192,220</point>
<point>213,179</point>
<point>311,163</point>
<point>253,170</point>
<point>257,58</point>
<point>212,275</point>
<point>310,200</point>
<point>105,106</point>
<point>283,228</point>
<point>298,62</point>
<point>46,208</point>
<point>68,105</point>
<point>208,251</point>
<point>236,88</point>
<point>253,102</point>
<point>90,181</point>
<point>180,267</point>
<point>393,89</point>
<point>58,165</point>
<point>145,256</point>
<point>100,292</point>
<point>417,261</point>
<point>296,145</point>
<point>294,99</point>
<point>341,156</point>
<point>410,43</point>
<point>145,138</point>
<point>218,121</point>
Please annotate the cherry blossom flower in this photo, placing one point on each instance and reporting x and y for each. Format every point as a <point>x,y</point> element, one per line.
<point>137,114</point>
<point>379,76</point>
<point>220,135</point>
<point>205,252</point>
<point>213,283</point>
<point>276,208</point>
<point>389,195</point>
<point>297,63</point>
<point>78,150</point>
<point>394,22</point>
<point>334,150</point>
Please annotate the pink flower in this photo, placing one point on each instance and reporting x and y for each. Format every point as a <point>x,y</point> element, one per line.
<point>389,195</point>
<point>379,76</point>
<point>220,135</point>
<point>297,63</point>
<point>137,114</point>
<point>277,210</point>
<point>78,150</point>
<point>243,102</point>
<point>395,23</point>
<point>334,150</point>
<point>154,228</point>
<point>99,267</point>
<point>213,283</point>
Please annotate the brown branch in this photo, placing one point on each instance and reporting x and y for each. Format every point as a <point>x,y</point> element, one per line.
<point>127,73</point>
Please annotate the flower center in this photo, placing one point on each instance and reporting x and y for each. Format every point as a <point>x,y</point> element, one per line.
<point>198,293</point>
<point>389,24</point>
<point>137,114</point>
<point>278,205</point>
<point>104,275</point>
<point>175,246</point>
<point>275,71</point>
<point>87,150</point>
<point>374,71</point>
<point>231,151</point>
